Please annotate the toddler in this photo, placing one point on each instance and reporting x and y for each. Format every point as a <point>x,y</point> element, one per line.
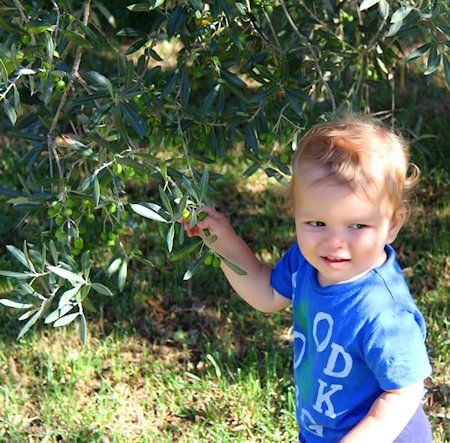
<point>359,353</point>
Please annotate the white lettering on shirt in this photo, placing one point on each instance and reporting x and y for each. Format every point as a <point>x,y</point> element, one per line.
<point>337,350</point>
<point>310,424</point>
<point>338,365</point>
<point>298,336</point>
<point>322,316</point>
<point>325,397</point>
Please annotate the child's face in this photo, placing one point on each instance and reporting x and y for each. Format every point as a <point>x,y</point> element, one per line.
<point>341,233</point>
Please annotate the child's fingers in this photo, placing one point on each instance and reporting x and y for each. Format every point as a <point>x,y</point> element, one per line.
<point>204,223</point>
<point>208,210</point>
<point>190,230</point>
<point>204,226</point>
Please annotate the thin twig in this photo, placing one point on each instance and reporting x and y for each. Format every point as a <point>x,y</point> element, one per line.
<point>24,18</point>
<point>280,116</point>
<point>185,148</point>
<point>311,13</point>
<point>257,29</point>
<point>374,38</point>
<point>75,72</point>
<point>357,85</point>
<point>9,87</point>
<point>58,15</point>
<point>312,52</point>
<point>21,10</point>
<point>272,30</point>
<point>86,13</point>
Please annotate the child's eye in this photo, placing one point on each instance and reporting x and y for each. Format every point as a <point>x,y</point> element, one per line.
<point>357,226</point>
<point>316,223</point>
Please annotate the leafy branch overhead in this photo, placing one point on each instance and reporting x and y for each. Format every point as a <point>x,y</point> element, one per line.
<point>102,99</point>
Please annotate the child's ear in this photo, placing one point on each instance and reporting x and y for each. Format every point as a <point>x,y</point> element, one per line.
<point>397,221</point>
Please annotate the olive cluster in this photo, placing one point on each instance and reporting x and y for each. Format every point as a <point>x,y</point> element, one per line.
<point>211,259</point>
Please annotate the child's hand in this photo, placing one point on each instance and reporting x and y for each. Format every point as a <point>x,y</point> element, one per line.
<point>215,229</point>
<point>253,284</point>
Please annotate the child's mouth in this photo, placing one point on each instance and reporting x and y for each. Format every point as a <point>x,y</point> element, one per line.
<point>335,262</point>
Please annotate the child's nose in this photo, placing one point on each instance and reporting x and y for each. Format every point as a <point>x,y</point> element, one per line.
<point>334,238</point>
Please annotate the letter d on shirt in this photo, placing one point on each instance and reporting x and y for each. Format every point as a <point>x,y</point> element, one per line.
<point>336,351</point>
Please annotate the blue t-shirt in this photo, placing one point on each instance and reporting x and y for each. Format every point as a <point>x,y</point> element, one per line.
<point>352,341</point>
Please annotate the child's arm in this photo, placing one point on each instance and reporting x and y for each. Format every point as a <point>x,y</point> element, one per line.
<point>388,416</point>
<point>255,287</point>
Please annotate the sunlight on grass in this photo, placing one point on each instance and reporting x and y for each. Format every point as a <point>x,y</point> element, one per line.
<point>119,390</point>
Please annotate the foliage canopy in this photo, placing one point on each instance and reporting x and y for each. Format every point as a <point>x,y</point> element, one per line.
<point>95,104</point>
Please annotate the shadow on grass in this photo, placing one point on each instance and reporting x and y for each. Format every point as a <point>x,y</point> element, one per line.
<point>202,316</point>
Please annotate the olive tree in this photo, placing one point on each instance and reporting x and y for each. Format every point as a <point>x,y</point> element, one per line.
<point>95,106</point>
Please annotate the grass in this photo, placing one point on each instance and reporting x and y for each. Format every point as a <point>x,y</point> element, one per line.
<point>170,361</point>
<point>167,361</point>
<point>174,386</point>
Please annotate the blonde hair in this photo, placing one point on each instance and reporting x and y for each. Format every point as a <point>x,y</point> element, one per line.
<point>362,153</point>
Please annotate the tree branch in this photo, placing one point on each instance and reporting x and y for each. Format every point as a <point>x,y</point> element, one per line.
<point>269,22</point>
<point>312,52</point>
<point>76,75</point>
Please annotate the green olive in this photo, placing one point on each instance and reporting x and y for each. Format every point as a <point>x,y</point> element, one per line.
<point>117,168</point>
<point>186,214</point>
<point>26,39</point>
<point>51,212</point>
<point>75,251</point>
<point>129,171</point>
<point>60,85</point>
<point>78,243</point>
<point>284,158</point>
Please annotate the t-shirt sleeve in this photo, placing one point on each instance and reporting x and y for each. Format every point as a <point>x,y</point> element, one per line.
<point>285,270</point>
<point>395,349</point>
